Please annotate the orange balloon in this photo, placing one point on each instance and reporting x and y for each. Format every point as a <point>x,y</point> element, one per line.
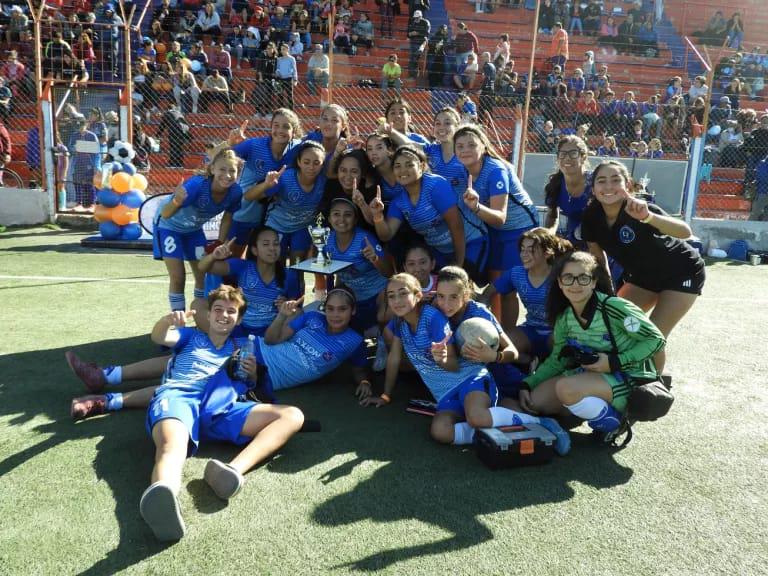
<point>139,182</point>
<point>123,215</point>
<point>102,214</point>
<point>121,182</point>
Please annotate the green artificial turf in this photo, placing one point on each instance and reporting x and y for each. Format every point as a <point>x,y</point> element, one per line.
<point>370,492</point>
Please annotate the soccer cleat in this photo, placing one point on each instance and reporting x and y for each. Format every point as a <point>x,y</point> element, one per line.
<point>612,438</point>
<point>224,480</point>
<point>91,375</point>
<point>160,510</point>
<point>87,406</point>
<point>562,438</point>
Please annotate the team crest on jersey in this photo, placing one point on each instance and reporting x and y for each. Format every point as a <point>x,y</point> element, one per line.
<point>631,324</point>
<point>626,234</point>
<point>200,340</point>
<point>204,199</point>
<point>499,185</point>
<point>259,165</point>
<point>294,196</point>
<point>327,356</point>
<point>455,181</point>
<point>315,323</point>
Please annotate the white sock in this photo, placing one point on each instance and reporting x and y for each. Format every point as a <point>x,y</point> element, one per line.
<point>501,416</point>
<point>588,408</point>
<point>463,433</point>
<point>114,375</point>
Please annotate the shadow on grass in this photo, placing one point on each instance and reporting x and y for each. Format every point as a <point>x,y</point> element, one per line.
<point>444,486</point>
<point>118,462</point>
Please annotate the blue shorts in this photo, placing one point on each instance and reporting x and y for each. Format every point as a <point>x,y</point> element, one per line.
<point>454,400</point>
<point>226,427</point>
<point>365,314</point>
<point>508,378</point>
<point>504,251</point>
<point>539,339</point>
<point>241,232</point>
<point>189,246</point>
<point>183,405</point>
<point>476,251</point>
<point>298,241</point>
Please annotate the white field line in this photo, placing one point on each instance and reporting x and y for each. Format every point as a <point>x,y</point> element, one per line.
<point>85,279</point>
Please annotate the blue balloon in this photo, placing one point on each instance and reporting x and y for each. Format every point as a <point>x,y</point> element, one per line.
<point>109,230</point>
<point>133,198</point>
<point>108,198</point>
<point>130,232</point>
<point>129,168</point>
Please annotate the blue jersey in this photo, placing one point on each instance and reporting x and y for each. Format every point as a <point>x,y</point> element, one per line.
<point>195,359</point>
<point>497,178</point>
<point>573,209</point>
<point>310,353</point>
<point>456,174</point>
<point>257,153</point>
<point>388,191</point>
<point>199,206</point>
<point>426,217</point>
<point>534,298</point>
<point>417,138</point>
<point>362,277</point>
<point>477,310</point>
<point>294,208</point>
<point>433,327</point>
<point>261,309</point>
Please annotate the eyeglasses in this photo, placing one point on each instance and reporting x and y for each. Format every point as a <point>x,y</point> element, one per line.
<point>581,279</point>
<point>572,154</point>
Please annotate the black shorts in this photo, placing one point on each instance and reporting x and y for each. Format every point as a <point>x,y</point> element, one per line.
<point>691,282</point>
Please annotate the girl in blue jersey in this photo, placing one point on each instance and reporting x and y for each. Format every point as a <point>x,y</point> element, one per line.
<point>296,194</point>
<point>398,115</point>
<point>464,390</point>
<point>351,177</point>
<point>179,414</point>
<point>367,277</point>
<point>569,189</point>
<point>380,148</point>
<point>333,126</point>
<point>539,248</point>
<point>262,277</point>
<point>178,233</point>
<point>426,202</point>
<point>261,155</point>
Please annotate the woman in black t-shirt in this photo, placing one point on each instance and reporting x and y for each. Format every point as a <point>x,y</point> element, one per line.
<point>662,272</point>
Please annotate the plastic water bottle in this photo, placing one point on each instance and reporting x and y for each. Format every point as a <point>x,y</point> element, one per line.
<point>248,349</point>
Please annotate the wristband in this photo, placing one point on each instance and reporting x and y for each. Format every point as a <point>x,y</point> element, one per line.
<point>648,218</point>
<point>386,398</point>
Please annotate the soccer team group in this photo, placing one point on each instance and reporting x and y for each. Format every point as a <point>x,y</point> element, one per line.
<point>437,231</point>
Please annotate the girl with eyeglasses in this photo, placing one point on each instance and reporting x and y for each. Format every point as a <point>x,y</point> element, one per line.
<point>589,322</point>
<point>662,272</point>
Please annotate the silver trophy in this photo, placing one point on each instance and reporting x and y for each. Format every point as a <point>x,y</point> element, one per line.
<point>319,235</point>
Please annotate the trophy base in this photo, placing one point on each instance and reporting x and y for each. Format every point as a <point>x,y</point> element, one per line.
<point>310,265</point>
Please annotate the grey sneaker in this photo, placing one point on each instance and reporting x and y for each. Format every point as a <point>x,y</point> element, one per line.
<point>224,480</point>
<point>160,510</point>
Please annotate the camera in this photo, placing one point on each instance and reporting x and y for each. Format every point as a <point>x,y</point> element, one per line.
<point>576,356</point>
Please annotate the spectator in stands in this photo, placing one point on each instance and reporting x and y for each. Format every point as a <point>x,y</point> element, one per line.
<point>417,6</point>
<point>674,88</point>
<point>147,51</point>
<point>15,74</point>
<point>260,19</point>
<point>674,118</point>
<point>6,99</point>
<point>509,88</point>
<point>602,83</point>
<point>466,74</point>
<point>647,40</point>
<point>301,24</point>
<point>735,31</point>
<point>547,138</point>
<point>418,35</point>
<point>754,80</point>
<point>251,46</point>
<point>609,113</point>
<point>178,129</point>
<point>649,111</point>
<point>558,49</point>
<point>698,88</point>
<point>733,91</point>
<point>729,147</point>
<point>222,61</point>
<point>208,22</point>
<point>587,108</point>
<point>264,91</point>
<point>196,54</point>
<point>215,89</point>
<point>110,39</point>
<point>629,110</point>
<point>234,43</point>
<point>362,33</point>
<point>501,55</point>
<point>390,76</point>
<point>756,145</point>
<point>344,9</point>
<point>715,32</point>
<point>165,14</point>
<point>5,149</point>
<point>342,36</point>
<point>633,131</point>
<point>576,83</point>
<point>609,33</point>
<point>575,18</point>
<point>176,53</point>
<point>625,41</point>
<point>655,151</point>
<point>608,148</point>
<point>54,54</point>
<point>387,11</point>
<point>590,18</point>
<point>464,44</point>
<point>185,86</point>
<point>287,76</point>
<point>318,69</point>
<point>546,17</point>
<point>18,26</point>
<point>467,109</point>
<point>282,25</point>
<point>588,66</point>
<point>436,58</point>
<point>638,149</point>
<point>488,88</point>
<point>553,80</point>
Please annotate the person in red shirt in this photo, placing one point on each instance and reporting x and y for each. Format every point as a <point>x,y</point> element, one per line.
<point>14,72</point>
<point>558,50</point>
<point>5,149</point>
<point>465,43</point>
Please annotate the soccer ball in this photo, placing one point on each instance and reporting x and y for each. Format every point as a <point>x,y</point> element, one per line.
<point>122,152</point>
<point>473,328</point>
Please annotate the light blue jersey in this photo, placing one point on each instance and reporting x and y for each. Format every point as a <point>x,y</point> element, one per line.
<point>362,277</point>
<point>534,298</point>
<point>388,191</point>
<point>293,208</point>
<point>426,217</point>
<point>199,207</point>
<point>195,359</point>
<point>433,327</point>
<point>261,309</point>
<point>456,174</point>
<point>497,178</point>
<point>310,353</point>
<point>417,138</point>
<point>477,310</point>
<point>257,153</point>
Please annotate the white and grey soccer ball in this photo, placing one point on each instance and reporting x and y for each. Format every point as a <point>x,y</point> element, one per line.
<point>473,328</point>
<point>122,151</point>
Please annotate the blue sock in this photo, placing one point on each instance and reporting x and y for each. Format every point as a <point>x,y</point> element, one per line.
<point>114,375</point>
<point>463,434</point>
<point>114,401</point>
<point>199,293</point>
<point>607,421</point>
<point>177,301</point>
<point>562,438</point>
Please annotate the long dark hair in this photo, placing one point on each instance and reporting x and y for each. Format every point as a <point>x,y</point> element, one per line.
<point>358,154</point>
<point>557,303</point>
<point>303,147</point>
<point>249,255</point>
<point>557,179</point>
